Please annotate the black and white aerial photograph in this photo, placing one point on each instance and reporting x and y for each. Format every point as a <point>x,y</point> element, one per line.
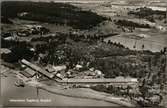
<point>98,53</point>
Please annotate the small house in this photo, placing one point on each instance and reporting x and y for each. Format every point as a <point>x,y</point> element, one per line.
<point>59,68</point>
<point>5,51</point>
<point>79,67</point>
<point>29,73</point>
<point>50,69</point>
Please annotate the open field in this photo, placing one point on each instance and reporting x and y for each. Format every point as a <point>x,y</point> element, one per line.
<point>154,42</point>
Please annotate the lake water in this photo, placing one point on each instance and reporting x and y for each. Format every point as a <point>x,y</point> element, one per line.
<point>11,92</point>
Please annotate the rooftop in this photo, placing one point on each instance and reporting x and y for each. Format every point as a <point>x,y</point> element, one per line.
<point>30,71</point>
<point>37,68</point>
<point>5,51</point>
<point>101,80</point>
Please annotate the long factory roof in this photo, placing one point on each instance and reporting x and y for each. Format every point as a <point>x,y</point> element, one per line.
<point>101,80</point>
<point>37,68</point>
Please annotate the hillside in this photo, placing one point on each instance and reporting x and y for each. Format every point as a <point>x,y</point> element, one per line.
<point>58,13</point>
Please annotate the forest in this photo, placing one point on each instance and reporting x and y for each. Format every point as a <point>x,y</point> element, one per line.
<point>57,13</point>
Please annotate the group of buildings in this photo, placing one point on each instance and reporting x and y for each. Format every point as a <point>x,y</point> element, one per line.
<point>61,75</point>
<point>24,31</point>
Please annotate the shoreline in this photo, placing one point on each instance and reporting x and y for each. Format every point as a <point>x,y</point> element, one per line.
<point>84,93</point>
